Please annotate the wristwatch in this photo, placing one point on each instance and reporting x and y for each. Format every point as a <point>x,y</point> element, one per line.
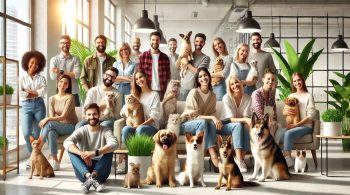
<point>97,153</point>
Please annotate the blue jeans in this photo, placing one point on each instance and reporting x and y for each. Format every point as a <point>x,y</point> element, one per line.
<point>195,126</point>
<point>106,123</point>
<point>140,130</point>
<point>220,90</point>
<point>240,137</point>
<point>289,135</point>
<point>102,166</point>
<point>124,89</point>
<point>33,111</point>
<point>183,94</point>
<point>52,130</point>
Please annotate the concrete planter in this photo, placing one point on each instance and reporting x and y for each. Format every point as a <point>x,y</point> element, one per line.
<point>8,99</point>
<point>332,128</point>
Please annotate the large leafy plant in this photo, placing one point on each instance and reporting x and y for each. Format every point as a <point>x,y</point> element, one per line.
<point>294,63</point>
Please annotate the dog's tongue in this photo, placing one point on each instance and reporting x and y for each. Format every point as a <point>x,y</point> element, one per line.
<point>165,147</point>
<point>259,138</point>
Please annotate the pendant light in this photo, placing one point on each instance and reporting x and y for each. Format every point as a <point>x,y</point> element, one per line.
<point>163,42</point>
<point>144,24</point>
<point>272,41</point>
<point>339,45</point>
<point>248,24</point>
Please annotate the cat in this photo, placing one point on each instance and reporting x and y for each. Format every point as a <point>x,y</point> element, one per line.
<point>108,113</point>
<point>170,96</point>
<point>40,164</point>
<point>300,162</point>
<point>253,72</point>
<point>132,178</point>
<point>185,46</point>
<point>219,66</point>
<point>174,123</point>
<point>134,111</point>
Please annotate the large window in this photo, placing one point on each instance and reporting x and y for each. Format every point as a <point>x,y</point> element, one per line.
<point>110,23</point>
<point>128,26</point>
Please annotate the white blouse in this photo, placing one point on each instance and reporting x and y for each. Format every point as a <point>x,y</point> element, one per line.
<point>38,84</point>
<point>232,111</point>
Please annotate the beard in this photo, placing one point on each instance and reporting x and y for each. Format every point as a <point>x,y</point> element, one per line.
<point>256,45</point>
<point>155,46</point>
<point>65,49</point>
<point>172,49</point>
<point>93,121</point>
<point>198,47</point>
<point>135,48</point>
<point>107,82</point>
<point>101,49</point>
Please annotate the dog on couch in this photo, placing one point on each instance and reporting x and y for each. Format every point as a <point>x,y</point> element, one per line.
<point>163,159</point>
<point>292,103</point>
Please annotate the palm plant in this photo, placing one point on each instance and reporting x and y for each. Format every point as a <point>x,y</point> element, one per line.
<point>294,63</point>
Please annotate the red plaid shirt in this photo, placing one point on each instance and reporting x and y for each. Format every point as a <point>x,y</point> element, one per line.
<point>145,65</point>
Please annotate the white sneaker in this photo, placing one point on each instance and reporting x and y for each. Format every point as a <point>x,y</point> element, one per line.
<point>177,166</point>
<point>28,163</point>
<point>121,167</point>
<point>290,161</point>
<point>55,165</point>
<point>241,165</point>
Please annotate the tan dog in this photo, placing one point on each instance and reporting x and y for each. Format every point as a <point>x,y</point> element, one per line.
<point>40,164</point>
<point>132,178</point>
<point>185,46</point>
<point>163,159</point>
<point>291,103</point>
<point>134,111</point>
<point>219,66</point>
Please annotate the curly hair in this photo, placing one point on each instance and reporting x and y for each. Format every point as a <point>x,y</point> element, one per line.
<point>34,54</point>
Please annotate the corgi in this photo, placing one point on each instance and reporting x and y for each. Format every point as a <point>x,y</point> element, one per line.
<point>194,166</point>
<point>185,46</point>
<point>227,166</point>
<point>40,164</point>
<point>300,162</point>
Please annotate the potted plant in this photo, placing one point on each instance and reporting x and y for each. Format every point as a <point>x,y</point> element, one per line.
<point>140,148</point>
<point>332,119</point>
<point>3,142</point>
<point>8,91</point>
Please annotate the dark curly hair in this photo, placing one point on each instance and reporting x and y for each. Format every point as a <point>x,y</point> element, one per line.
<point>69,89</point>
<point>34,54</point>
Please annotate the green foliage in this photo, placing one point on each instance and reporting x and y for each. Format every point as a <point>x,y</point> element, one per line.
<point>8,90</point>
<point>3,141</point>
<point>332,115</point>
<point>294,63</point>
<point>140,145</point>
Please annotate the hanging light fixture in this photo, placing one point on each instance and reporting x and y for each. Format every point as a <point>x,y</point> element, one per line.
<point>248,24</point>
<point>163,42</point>
<point>339,45</point>
<point>144,24</point>
<point>272,41</point>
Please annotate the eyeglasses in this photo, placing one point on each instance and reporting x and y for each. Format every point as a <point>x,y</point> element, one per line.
<point>108,76</point>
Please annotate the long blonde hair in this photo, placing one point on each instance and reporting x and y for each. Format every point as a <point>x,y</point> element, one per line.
<point>228,88</point>
<point>122,46</point>
<point>239,48</point>
<point>220,40</point>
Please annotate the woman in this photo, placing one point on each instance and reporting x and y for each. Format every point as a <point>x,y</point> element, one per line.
<point>307,113</point>
<point>62,117</point>
<point>241,68</point>
<point>125,67</point>
<point>33,88</point>
<point>220,50</point>
<point>237,111</point>
<point>200,105</point>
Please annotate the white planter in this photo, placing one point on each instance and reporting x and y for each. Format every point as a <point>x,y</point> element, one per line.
<point>144,161</point>
<point>8,99</point>
<point>331,128</point>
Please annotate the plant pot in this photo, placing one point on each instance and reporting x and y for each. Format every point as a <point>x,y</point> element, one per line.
<point>8,99</point>
<point>346,145</point>
<point>144,161</point>
<point>332,128</point>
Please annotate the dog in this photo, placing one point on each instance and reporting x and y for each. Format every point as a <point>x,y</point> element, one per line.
<point>300,162</point>
<point>227,166</point>
<point>134,111</point>
<point>185,46</point>
<point>110,104</point>
<point>132,178</point>
<point>194,166</point>
<point>40,164</point>
<point>253,72</point>
<point>171,93</point>
<point>267,155</point>
<point>163,159</point>
<point>292,103</point>
<point>219,66</point>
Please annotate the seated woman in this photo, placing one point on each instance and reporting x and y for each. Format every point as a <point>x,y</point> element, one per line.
<point>62,118</point>
<point>307,112</point>
<point>237,110</point>
<point>200,110</point>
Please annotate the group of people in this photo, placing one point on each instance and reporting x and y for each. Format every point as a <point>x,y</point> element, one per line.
<point>146,75</point>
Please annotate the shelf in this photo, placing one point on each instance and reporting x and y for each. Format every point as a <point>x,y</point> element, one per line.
<point>10,106</point>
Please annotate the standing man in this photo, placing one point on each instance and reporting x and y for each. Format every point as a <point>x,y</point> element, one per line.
<point>200,60</point>
<point>155,65</point>
<point>175,72</point>
<point>65,63</point>
<point>264,58</point>
<point>135,54</point>
<point>96,65</point>
<point>90,149</point>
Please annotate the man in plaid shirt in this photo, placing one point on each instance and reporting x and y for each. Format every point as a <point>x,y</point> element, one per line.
<point>156,66</point>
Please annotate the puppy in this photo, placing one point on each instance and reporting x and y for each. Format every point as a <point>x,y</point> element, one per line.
<point>292,103</point>
<point>253,72</point>
<point>163,159</point>
<point>227,166</point>
<point>267,155</point>
<point>134,111</point>
<point>219,66</point>
<point>194,166</point>
<point>185,46</point>
<point>300,162</point>
<point>40,164</point>
<point>132,178</point>
<point>110,104</point>
<point>171,93</point>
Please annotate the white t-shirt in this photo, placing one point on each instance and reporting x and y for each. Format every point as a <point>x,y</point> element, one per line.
<point>155,77</point>
<point>99,78</point>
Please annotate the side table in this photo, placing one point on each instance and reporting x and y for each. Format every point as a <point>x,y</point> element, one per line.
<point>120,151</point>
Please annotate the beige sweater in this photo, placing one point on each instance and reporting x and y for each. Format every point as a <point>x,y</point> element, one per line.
<point>60,105</point>
<point>194,102</point>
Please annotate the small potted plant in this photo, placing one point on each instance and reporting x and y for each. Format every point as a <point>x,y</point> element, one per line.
<point>8,91</point>
<point>3,142</point>
<point>332,119</point>
<point>140,149</point>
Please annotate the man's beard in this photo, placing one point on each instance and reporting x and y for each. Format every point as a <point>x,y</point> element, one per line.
<point>65,49</point>
<point>135,48</point>
<point>256,45</point>
<point>199,47</point>
<point>155,46</point>
<point>172,49</point>
<point>107,82</point>
<point>93,121</point>
<point>101,48</point>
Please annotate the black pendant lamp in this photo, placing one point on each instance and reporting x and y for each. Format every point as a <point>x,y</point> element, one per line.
<point>144,24</point>
<point>272,41</point>
<point>163,42</point>
<point>339,45</point>
<point>248,24</point>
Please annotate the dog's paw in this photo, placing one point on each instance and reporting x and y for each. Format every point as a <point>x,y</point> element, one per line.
<point>191,186</point>
<point>158,185</point>
<point>172,185</point>
<point>217,187</point>
<point>228,188</point>
<point>251,178</point>
<point>204,185</point>
<point>41,178</point>
<point>261,179</point>
<point>30,177</point>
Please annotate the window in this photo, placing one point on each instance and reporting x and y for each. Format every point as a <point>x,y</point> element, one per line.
<point>110,23</point>
<point>128,26</point>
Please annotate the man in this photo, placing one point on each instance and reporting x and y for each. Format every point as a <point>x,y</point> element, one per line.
<point>200,60</point>
<point>135,54</point>
<point>96,65</point>
<point>65,63</point>
<point>175,72</point>
<point>156,66</point>
<point>264,58</point>
<point>90,149</point>
<point>98,95</point>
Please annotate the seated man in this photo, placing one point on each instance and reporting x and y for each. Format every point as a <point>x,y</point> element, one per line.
<point>98,95</point>
<point>90,149</point>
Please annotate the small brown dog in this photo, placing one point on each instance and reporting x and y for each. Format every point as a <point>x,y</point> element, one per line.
<point>219,66</point>
<point>185,46</point>
<point>227,166</point>
<point>291,103</point>
<point>40,164</point>
<point>163,159</point>
<point>132,178</point>
<point>134,111</point>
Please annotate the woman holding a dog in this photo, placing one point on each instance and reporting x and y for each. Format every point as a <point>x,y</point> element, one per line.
<point>307,113</point>
<point>220,51</point>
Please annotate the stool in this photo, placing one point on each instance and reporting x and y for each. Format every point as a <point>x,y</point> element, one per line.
<point>120,151</point>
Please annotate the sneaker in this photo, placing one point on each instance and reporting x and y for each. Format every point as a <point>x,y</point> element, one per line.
<point>55,165</point>
<point>28,163</point>
<point>241,165</point>
<point>97,185</point>
<point>121,167</point>
<point>86,185</point>
<point>177,166</point>
<point>289,160</point>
